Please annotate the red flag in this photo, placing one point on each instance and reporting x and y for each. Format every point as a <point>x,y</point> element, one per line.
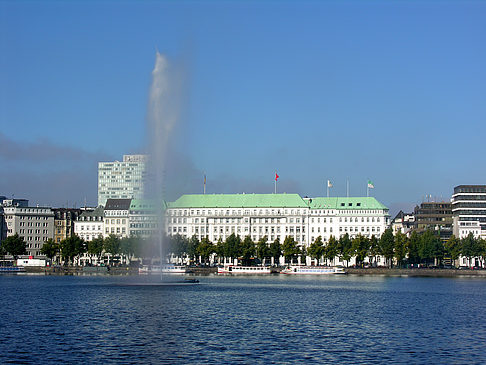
<point>276,176</point>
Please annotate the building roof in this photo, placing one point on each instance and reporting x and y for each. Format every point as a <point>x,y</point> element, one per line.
<point>273,201</point>
<point>238,201</point>
<point>351,203</point>
<point>117,204</point>
<point>142,204</point>
<point>97,212</point>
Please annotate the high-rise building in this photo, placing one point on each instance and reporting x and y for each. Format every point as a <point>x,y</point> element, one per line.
<point>122,180</point>
<point>469,210</point>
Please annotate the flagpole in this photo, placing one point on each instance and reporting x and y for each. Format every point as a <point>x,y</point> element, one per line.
<point>204,189</point>
<point>328,188</point>
<point>347,188</point>
<point>275,181</point>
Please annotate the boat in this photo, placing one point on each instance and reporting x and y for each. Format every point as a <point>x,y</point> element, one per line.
<point>165,269</point>
<point>236,269</point>
<point>313,270</point>
<point>11,269</point>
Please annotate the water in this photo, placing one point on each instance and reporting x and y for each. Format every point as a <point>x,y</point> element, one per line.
<point>275,319</point>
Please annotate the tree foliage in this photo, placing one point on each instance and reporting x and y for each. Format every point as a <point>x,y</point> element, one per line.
<point>14,245</point>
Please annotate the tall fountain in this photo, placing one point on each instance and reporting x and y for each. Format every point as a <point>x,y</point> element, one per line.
<point>162,115</point>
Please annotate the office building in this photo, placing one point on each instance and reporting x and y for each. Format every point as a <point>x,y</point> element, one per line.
<point>122,180</point>
<point>469,211</point>
<point>35,225</point>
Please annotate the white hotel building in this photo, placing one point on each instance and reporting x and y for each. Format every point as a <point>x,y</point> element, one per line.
<point>276,216</point>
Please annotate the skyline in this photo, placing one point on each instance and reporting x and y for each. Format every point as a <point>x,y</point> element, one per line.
<point>388,92</point>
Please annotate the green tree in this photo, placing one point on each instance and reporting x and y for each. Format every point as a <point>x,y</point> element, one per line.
<point>220,250</point>
<point>205,249</point>
<point>275,250</point>
<point>453,248</point>
<point>95,247</point>
<point>232,246</point>
<point>72,247</point>
<point>374,250</point>
<point>400,248</point>
<point>112,245</point>
<point>316,249</point>
<point>429,247</point>
<point>470,248</point>
<point>360,247</point>
<point>50,249</point>
<point>345,248</point>
<point>247,250</point>
<point>191,247</point>
<point>262,249</point>
<point>387,243</point>
<point>331,249</point>
<point>413,245</point>
<point>14,245</point>
<point>290,249</point>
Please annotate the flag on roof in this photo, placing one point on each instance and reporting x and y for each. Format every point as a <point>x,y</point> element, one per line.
<point>329,184</point>
<point>276,176</point>
<point>370,185</point>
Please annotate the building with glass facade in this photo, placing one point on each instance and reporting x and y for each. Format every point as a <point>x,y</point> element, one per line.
<point>122,180</point>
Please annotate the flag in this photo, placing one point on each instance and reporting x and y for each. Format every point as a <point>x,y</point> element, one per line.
<point>329,184</point>
<point>276,176</point>
<point>370,185</point>
<point>204,179</point>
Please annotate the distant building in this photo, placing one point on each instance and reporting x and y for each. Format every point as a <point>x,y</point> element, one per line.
<point>116,217</point>
<point>143,218</point>
<point>435,216</point>
<point>89,224</point>
<point>34,224</point>
<point>64,219</point>
<point>122,180</point>
<point>403,222</point>
<point>469,210</point>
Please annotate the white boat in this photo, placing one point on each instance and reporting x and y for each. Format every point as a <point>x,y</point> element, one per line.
<point>236,269</point>
<point>165,269</point>
<point>313,270</point>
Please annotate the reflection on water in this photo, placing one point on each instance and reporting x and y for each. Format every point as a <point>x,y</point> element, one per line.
<point>243,319</point>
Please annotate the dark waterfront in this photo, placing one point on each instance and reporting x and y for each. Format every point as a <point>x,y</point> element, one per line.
<point>275,319</point>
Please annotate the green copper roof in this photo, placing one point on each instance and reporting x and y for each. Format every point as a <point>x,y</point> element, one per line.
<point>238,201</point>
<point>142,204</point>
<point>346,203</point>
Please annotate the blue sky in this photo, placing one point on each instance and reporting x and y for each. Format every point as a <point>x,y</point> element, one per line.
<point>391,91</point>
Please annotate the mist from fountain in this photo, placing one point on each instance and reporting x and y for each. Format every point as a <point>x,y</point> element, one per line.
<point>162,115</point>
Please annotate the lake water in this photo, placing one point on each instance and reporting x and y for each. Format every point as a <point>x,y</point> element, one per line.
<point>224,319</point>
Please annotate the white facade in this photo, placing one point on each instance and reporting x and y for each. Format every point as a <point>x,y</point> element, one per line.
<point>122,180</point>
<point>116,217</point>
<point>218,216</point>
<point>90,224</point>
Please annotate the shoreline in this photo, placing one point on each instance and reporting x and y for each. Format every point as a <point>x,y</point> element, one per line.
<point>212,270</point>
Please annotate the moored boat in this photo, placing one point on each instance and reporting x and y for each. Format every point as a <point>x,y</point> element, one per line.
<point>165,269</point>
<point>236,269</point>
<point>11,269</point>
<point>313,270</point>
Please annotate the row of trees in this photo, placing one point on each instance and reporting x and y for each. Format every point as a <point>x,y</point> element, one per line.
<point>424,248</point>
<point>420,248</point>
